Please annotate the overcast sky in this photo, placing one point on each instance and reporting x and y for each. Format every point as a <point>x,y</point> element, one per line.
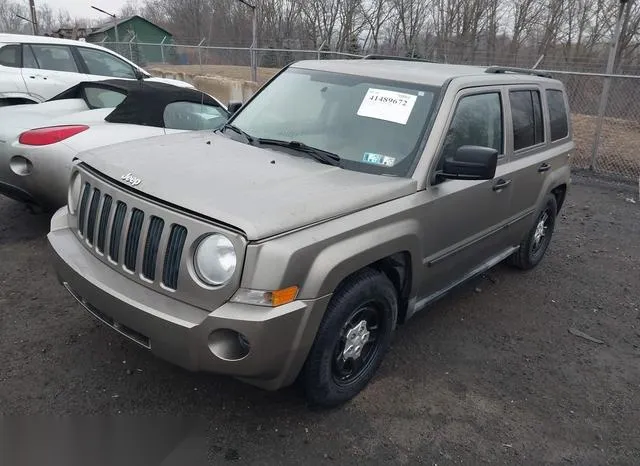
<point>82,8</point>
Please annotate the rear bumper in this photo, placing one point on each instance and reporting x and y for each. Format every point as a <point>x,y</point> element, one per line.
<point>46,182</point>
<point>193,338</point>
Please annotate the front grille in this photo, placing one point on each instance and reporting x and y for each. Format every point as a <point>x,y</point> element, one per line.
<point>173,256</point>
<point>104,219</point>
<point>133,239</point>
<point>156,225</point>
<point>116,231</point>
<point>124,237</point>
<point>93,212</point>
<point>86,192</point>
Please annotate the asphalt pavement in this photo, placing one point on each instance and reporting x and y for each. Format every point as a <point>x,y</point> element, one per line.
<point>514,368</point>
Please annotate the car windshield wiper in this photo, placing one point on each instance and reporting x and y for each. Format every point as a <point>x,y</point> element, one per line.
<point>250,139</point>
<point>320,155</point>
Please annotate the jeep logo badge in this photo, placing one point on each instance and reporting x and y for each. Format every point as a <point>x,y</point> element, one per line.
<point>132,180</point>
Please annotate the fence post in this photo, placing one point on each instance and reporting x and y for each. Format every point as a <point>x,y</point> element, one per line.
<point>606,87</point>
<point>200,53</point>
<point>162,48</point>
<point>320,48</point>
<point>254,44</point>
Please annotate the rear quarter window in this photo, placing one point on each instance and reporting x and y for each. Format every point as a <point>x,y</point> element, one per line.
<point>558,115</point>
<point>10,56</point>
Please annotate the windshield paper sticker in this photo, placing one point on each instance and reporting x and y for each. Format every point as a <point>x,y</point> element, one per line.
<point>377,159</point>
<point>387,105</point>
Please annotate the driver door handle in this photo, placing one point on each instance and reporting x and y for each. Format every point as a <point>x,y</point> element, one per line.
<point>501,184</point>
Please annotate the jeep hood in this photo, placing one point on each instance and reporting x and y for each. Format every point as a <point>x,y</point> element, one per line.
<point>260,191</point>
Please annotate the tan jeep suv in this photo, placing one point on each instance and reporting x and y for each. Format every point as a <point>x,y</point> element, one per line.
<point>341,199</point>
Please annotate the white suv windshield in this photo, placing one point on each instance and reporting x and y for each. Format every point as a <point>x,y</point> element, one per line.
<point>373,125</point>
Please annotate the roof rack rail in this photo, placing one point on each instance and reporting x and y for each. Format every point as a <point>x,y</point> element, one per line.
<point>374,56</point>
<point>509,69</point>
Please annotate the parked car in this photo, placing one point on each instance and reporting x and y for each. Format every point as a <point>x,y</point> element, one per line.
<point>35,68</point>
<point>340,200</point>
<point>39,142</point>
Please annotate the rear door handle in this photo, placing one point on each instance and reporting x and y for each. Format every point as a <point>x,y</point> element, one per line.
<point>501,184</point>
<point>545,167</point>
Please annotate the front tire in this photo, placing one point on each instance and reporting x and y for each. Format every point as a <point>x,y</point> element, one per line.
<point>352,339</point>
<point>534,246</point>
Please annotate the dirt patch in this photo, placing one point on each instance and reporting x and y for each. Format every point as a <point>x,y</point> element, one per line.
<point>227,71</point>
<point>618,154</point>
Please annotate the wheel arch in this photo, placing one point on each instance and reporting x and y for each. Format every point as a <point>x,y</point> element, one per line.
<point>560,193</point>
<point>383,249</point>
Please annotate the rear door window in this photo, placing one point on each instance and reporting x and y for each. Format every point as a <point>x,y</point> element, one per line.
<point>28,58</point>
<point>54,57</point>
<point>558,118</point>
<point>526,111</point>
<point>104,64</point>
<point>10,56</point>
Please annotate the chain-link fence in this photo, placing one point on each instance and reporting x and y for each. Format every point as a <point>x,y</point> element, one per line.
<point>607,144</point>
<point>608,137</point>
<point>232,62</point>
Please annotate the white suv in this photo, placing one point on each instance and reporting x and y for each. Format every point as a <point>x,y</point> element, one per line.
<point>34,68</point>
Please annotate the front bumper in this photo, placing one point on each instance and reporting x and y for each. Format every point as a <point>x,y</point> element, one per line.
<point>279,338</point>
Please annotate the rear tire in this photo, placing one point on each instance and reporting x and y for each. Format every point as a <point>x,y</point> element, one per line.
<point>534,246</point>
<point>352,339</point>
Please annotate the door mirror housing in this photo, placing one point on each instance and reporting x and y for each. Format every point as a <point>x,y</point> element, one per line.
<point>234,106</point>
<point>471,163</point>
<point>140,76</point>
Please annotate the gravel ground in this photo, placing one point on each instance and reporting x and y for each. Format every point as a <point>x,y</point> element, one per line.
<point>490,374</point>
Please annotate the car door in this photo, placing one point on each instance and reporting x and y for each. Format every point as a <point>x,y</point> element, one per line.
<point>464,221</point>
<point>11,82</point>
<point>99,64</point>
<point>49,69</point>
<point>532,158</point>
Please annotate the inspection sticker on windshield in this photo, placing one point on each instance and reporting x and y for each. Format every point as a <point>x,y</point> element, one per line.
<point>378,159</point>
<point>387,105</point>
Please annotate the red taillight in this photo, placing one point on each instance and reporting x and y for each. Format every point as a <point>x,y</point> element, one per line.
<point>51,135</point>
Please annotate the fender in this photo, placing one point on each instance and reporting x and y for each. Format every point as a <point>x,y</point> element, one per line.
<point>318,258</point>
<point>340,259</point>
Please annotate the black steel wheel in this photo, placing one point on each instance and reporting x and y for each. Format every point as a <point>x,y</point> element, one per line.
<point>352,340</point>
<point>534,246</point>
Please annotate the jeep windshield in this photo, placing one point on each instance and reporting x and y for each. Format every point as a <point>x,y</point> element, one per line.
<point>373,125</point>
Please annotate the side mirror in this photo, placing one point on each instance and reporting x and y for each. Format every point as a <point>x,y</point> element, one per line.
<point>138,74</point>
<point>234,106</point>
<point>471,163</point>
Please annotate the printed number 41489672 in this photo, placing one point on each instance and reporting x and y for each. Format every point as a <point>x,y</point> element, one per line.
<point>388,100</point>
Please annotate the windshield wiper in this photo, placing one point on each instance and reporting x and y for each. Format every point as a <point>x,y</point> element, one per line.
<point>320,155</point>
<point>250,139</point>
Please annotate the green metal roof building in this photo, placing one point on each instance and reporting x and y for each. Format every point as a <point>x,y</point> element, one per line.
<point>133,32</point>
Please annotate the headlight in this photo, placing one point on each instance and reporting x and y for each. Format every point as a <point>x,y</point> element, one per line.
<point>75,189</point>
<point>215,260</point>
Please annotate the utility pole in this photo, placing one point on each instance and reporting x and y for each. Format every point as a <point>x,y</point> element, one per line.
<point>606,87</point>
<point>34,19</point>
<point>254,42</point>
<point>115,23</point>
